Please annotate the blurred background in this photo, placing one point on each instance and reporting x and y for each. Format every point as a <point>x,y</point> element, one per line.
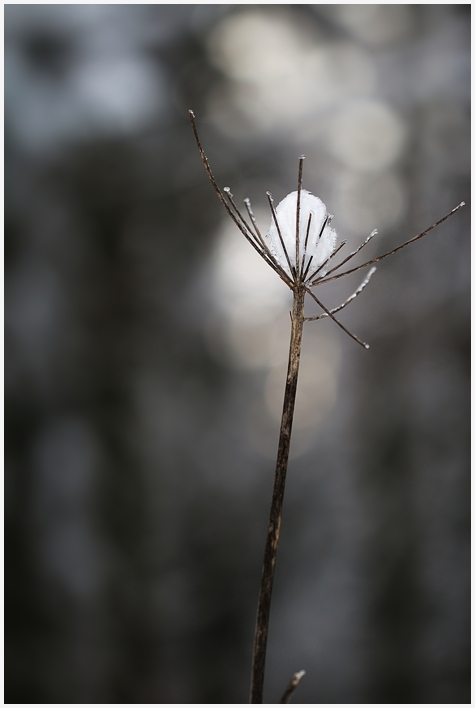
<point>146,350</point>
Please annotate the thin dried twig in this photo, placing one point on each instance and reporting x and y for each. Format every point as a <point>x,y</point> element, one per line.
<point>304,269</point>
<point>238,221</point>
<point>247,203</point>
<point>294,682</point>
<point>329,313</point>
<point>353,253</point>
<point>274,215</point>
<point>297,227</point>
<point>394,250</point>
<point>358,290</point>
<point>332,255</point>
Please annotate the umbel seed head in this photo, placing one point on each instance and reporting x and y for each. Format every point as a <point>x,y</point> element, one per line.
<point>300,241</point>
<point>317,238</point>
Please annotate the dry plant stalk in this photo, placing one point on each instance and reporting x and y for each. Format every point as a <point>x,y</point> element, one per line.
<point>298,247</point>
<point>294,682</point>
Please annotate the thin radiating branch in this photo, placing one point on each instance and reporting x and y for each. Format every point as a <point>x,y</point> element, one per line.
<point>259,243</point>
<point>303,269</point>
<point>347,301</point>
<point>208,170</point>
<point>353,336</point>
<point>326,221</point>
<point>247,203</point>
<point>394,250</point>
<point>229,195</point>
<point>297,227</point>
<point>274,214</point>
<point>294,682</point>
<point>222,198</point>
<point>262,250</point>
<point>332,255</point>
<point>277,265</point>
<point>353,253</point>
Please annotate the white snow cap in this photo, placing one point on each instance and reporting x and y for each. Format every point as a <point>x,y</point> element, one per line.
<point>320,244</point>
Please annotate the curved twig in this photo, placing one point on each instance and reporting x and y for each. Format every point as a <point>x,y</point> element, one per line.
<point>328,312</point>
<point>394,250</point>
<point>358,290</point>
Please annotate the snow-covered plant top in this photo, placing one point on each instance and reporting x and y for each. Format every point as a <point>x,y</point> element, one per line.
<point>316,238</point>
<point>300,242</point>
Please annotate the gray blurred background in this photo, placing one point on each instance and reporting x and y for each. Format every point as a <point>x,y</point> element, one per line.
<point>146,347</point>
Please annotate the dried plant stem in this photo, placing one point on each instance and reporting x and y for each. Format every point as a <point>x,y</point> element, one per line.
<point>290,690</point>
<point>299,277</point>
<point>265,594</point>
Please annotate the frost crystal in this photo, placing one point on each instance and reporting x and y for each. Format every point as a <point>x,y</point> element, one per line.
<point>316,238</point>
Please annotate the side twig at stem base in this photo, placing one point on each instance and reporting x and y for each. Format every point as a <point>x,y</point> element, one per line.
<point>294,682</point>
<point>263,608</point>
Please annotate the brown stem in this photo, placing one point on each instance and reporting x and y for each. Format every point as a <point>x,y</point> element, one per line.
<point>265,594</point>
<point>290,690</point>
